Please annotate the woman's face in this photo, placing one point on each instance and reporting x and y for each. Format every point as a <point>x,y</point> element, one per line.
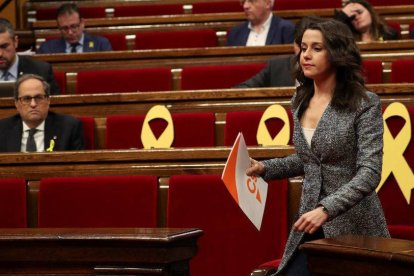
<point>363,20</point>
<point>314,57</point>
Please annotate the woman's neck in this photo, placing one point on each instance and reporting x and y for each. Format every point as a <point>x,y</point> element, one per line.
<point>324,88</point>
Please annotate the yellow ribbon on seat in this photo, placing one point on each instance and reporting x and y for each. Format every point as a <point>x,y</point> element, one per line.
<point>393,159</point>
<point>263,136</point>
<point>147,136</point>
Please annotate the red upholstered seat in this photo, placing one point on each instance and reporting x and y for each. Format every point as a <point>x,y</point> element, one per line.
<point>88,124</point>
<point>123,80</point>
<point>396,26</point>
<point>397,212</point>
<point>390,3</point>
<point>231,244</point>
<point>217,76</point>
<point>148,10</point>
<point>86,12</point>
<point>306,4</point>
<point>117,40</point>
<point>98,201</point>
<point>401,70</point>
<point>372,71</point>
<point>247,122</point>
<point>13,212</point>
<point>217,7</point>
<point>190,130</point>
<point>176,39</point>
<point>61,81</point>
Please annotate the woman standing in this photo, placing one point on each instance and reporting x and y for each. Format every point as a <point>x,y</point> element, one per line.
<point>338,137</point>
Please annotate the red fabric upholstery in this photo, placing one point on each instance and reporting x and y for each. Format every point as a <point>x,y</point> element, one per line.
<point>190,130</point>
<point>117,40</point>
<point>217,7</point>
<point>13,212</point>
<point>410,27</point>
<point>372,71</point>
<point>123,80</point>
<point>405,232</point>
<point>176,39</point>
<point>401,70</point>
<point>247,122</point>
<point>306,4</point>
<point>99,201</point>
<point>397,211</point>
<point>273,264</point>
<point>61,81</point>
<point>390,3</point>
<point>88,124</point>
<point>148,10</point>
<point>396,26</point>
<point>217,76</point>
<point>86,12</point>
<point>231,244</point>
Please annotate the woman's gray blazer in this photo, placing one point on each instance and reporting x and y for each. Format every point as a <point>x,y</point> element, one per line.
<point>341,169</point>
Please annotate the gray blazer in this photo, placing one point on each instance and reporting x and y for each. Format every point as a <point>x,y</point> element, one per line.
<point>341,169</point>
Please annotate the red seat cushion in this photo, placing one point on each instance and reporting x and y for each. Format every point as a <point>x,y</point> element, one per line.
<point>176,39</point>
<point>98,201</point>
<point>148,10</point>
<point>217,76</point>
<point>13,212</point>
<point>117,40</point>
<point>372,71</point>
<point>405,232</point>
<point>88,124</point>
<point>60,78</point>
<point>217,7</point>
<point>401,70</point>
<point>306,4</point>
<point>86,12</point>
<point>123,80</point>
<point>202,201</point>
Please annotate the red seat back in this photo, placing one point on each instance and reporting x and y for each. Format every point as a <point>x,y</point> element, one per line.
<point>88,124</point>
<point>148,10</point>
<point>217,76</point>
<point>247,122</point>
<point>390,3</point>
<point>60,78</point>
<point>86,12</point>
<point>306,4</point>
<point>401,70</point>
<point>230,241</point>
<point>98,201</point>
<point>117,40</point>
<point>217,7</point>
<point>190,130</point>
<point>13,212</point>
<point>176,39</point>
<point>372,71</point>
<point>123,80</point>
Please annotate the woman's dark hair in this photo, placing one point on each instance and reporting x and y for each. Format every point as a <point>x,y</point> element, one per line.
<point>344,56</point>
<point>378,26</point>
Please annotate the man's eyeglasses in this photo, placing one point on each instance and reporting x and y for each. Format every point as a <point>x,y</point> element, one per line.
<point>73,28</point>
<point>28,99</point>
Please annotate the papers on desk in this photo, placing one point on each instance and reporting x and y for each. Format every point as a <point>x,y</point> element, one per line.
<point>249,192</point>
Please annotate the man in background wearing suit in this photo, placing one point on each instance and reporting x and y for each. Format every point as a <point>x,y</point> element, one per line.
<point>12,66</point>
<point>74,39</point>
<point>262,27</point>
<point>35,128</point>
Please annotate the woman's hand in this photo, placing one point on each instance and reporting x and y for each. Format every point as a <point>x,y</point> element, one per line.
<point>311,221</point>
<point>256,168</point>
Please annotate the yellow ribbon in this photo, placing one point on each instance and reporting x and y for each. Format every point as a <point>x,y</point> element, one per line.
<point>393,159</point>
<point>147,136</point>
<point>51,145</point>
<point>263,136</point>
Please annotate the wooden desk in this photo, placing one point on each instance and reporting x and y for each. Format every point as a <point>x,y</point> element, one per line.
<point>83,251</point>
<point>360,255</point>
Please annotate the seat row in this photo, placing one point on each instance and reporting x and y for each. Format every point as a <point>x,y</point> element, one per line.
<point>200,77</point>
<point>194,201</point>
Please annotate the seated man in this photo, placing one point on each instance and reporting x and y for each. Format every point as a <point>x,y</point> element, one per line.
<point>74,39</point>
<point>262,27</point>
<point>36,128</point>
<point>12,65</point>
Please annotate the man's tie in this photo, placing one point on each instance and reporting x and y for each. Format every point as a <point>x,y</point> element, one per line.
<point>5,76</point>
<point>73,47</point>
<point>31,144</point>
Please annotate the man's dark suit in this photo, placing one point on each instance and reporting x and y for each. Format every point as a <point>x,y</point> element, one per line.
<point>278,72</point>
<point>280,32</point>
<point>66,131</point>
<point>90,44</point>
<point>28,65</point>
